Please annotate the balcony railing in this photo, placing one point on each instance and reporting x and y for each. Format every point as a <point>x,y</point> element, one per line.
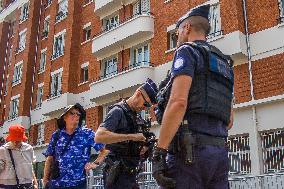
<point>120,70</point>
<point>5,7</point>
<point>44,34</point>
<point>281,19</point>
<point>16,81</point>
<point>54,94</point>
<point>13,115</point>
<point>60,16</point>
<point>25,17</point>
<point>56,55</point>
<point>214,34</point>
<point>48,2</point>
<point>38,105</point>
<point>121,22</point>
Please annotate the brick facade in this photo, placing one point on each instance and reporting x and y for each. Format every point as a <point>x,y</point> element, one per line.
<point>267,72</point>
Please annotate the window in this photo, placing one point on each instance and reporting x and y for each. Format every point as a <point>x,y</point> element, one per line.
<point>10,55</point>
<point>86,33</point>
<point>6,85</point>
<point>172,39</point>
<point>58,46</point>
<point>1,5</point>
<point>24,12</point>
<point>48,2</point>
<point>281,7</point>
<point>273,151</point>
<point>109,67</point>
<point>215,21</point>
<point>13,28</point>
<point>17,73</point>
<point>140,56</point>
<point>40,134</point>
<point>39,95</point>
<point>87,1</point>
<point>46,27</point>
<point>239,155</point>
<point>14,107</point>
<point>56,78</point>
<point>42,62</point>
<point>62,10</point>
<point>84,74</point>
<point>111,22</point>
<point>22,40</point>
<point>141,7</point>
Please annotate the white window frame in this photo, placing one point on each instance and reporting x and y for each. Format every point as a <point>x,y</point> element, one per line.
<point>24,12</point>
<point>134,54</point>
<point>141,7</point>
<point>42,62</point>
<point>18,72</point>
<point>40,134</point>
<point>10,55</point>
<point>281,11</point>
<point>86,28</point>
<point>46,25</point>
<point>56,88</point>
<point>215,20</point>
<point>62,10</point>
<point>56,54</point>
<point>14,107</point>
<point>84,67</point>
<point>109,67</point>
<point>6,85</point>
<point>111,22</point>
<point>22,40</point>
<point>39,95</point>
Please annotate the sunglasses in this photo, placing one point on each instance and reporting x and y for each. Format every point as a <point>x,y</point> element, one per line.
<point>75,113</point>
<point>146,104</point>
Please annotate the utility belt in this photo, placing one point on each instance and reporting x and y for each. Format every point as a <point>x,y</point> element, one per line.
<point>185,142</point>
<point>114,167</point>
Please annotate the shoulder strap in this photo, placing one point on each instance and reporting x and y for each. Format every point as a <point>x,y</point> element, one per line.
<point>56,138</point>
<point>13,162</point>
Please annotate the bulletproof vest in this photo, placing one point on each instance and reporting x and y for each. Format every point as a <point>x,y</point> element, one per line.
<point>127,148</point>
<point>211,90</point>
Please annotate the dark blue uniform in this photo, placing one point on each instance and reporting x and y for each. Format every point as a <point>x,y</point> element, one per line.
<point>210,167</point>
<point>117,121</point>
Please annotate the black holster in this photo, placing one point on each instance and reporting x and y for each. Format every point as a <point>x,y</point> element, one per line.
<point>183,144</point>
<point>111,170</point>
<point>187,144</point>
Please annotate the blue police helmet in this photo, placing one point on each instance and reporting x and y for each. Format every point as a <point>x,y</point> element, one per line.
<point>198,11</point>
<point>151,89</point>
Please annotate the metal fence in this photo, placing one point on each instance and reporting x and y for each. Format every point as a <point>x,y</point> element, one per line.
<point>146,181</point>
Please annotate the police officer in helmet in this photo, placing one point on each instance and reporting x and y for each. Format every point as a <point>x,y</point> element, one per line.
<point>120,132</point>
<point>191,152</point>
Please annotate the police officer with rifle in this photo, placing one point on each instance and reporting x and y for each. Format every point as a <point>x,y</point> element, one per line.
<point>127,137</point>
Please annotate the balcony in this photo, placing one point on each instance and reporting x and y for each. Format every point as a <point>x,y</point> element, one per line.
<point>56,103</point>
<point>128,33</point>
<point>8,12</point>
<point>22,120</point>
<point>233,44</point>
<point>121,81</point>
<point>60,16</point>
<point>107,7</point>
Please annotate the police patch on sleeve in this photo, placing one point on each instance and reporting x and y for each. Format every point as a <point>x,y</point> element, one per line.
<point>178,64</point>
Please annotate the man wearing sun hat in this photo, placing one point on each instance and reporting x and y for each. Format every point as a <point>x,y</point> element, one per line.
<point>70,149</point>
<point>119,131</point>
<point>16,161</point>
<point>198,113</point>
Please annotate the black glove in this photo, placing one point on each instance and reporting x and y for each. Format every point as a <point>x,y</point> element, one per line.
<point>160,168</point>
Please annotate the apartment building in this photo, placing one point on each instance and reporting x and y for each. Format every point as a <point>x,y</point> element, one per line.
<point>58,52</point>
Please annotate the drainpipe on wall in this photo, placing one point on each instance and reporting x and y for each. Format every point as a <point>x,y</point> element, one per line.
<point>254,137</point>
<point>35,63</point>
